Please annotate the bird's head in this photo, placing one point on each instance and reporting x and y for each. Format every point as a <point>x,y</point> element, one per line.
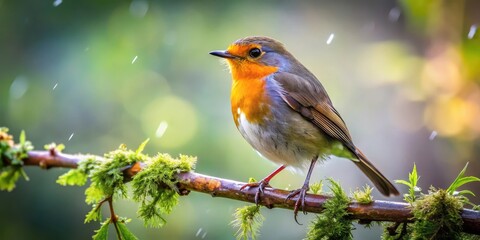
<point>255,57</point>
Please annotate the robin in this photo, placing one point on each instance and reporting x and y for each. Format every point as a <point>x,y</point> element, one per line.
<point>285,114</point>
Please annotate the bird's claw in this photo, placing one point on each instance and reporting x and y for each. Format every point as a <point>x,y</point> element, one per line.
<point>260,185</point>
<point>300,203</point>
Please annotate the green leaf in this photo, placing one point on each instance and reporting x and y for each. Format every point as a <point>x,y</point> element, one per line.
<point>60,147</point>
<point>413,177</point>
<point>22,138</point>
<point>94,194</point>
<point>94,215</point>
<point>403,182</point>
<point>460,180</point>
<point>102,233</point>
<point>142,146</point>
<point>464,180</point>
<point>72,178</point>
<point>411,184</point>
<point>465,192</point>
<point>9,177</point>
<point>124,232</point>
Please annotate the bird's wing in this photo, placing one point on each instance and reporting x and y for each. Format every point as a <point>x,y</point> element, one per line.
<point>309,98</point>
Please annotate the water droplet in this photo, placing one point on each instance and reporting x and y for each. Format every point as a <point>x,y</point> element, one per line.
<point>330,38</point>
<point>19,87</point>
<point>56,3</point>
<point>134,59</point>
<point>394,14</point>
<point>55,86</point>
<point>162,127</point>
<point>473,30</point>
<point>432,135</point>
<point>204,235</point>
<point>138,8</point>
<point>70,138</point>
<point>198,232</point>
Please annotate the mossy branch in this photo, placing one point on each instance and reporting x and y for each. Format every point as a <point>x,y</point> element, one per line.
<point>273,198</point>
<point>158,181</point>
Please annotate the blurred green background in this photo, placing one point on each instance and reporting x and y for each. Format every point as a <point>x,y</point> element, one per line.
<point>405,75</point>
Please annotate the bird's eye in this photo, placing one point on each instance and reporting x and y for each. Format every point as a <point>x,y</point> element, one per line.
<point>255,53</point>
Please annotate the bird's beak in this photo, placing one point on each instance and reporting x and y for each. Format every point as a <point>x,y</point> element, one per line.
<point>223,54</point>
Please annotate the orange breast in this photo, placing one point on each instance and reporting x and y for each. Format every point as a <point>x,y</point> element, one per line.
<point>249,96</point>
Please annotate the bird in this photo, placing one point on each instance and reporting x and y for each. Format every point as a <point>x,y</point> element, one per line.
<point>284,112</point>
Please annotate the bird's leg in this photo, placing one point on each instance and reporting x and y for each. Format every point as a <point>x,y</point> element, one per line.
<point>302,191</point>
<point>262,183</point>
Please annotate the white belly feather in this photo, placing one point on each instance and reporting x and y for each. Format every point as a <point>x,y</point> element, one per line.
<point>290,141</point>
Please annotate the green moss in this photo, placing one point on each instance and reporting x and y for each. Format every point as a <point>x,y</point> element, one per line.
<point>107,175</point>
<point>79,175</point>
<point>248,221</point>
<point>466,236</point>
<point>333,222</point>
<point>437,216</point>
<point>11,159</point>
<point>149,186</point>
<point>317,187</point>
<point>363,196</point>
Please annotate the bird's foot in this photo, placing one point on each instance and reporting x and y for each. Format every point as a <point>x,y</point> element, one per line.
<point>300,203</point>
<point>260,185</point>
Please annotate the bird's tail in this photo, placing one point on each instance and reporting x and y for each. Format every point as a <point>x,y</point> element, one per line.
<point>381,182</point>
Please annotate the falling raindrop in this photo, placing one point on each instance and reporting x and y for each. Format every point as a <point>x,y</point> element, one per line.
<point>162,127</point>
<point>394,14</point>
<point>330,38</point>
<point>432,135</point>
<point>204,235</point>
<point>56,3</point>
<point>134,59</point>
<point>473,30</point>
<point>70,138</point>
<point>198,232</point>
<point>19,87</point>
<point>55,86</point>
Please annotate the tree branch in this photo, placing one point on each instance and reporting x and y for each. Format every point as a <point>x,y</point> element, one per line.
<point>272,198</point>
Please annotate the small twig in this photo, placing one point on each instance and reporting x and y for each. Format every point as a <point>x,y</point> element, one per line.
<point>101,203</point>
<point>113,217</point>
<point>376,211</point>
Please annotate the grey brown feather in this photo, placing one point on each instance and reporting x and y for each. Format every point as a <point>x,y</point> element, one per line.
<point>316,107</point>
